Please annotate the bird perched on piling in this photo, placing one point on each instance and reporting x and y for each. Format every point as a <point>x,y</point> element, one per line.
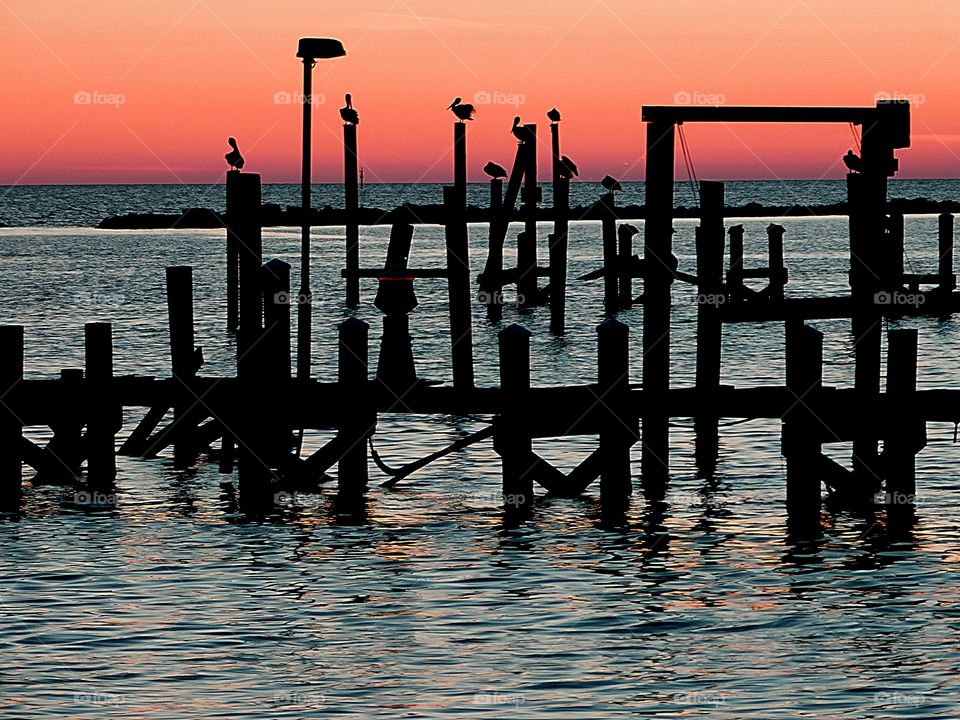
<point>611,184</point>
<point>234,158</point>
<point>463,111</point>
<point>495,171</point>
<point>567,167</point>
<point>521,132</point>
<point>853,161</point>
<point>554,115</point>
<point>348,114</point>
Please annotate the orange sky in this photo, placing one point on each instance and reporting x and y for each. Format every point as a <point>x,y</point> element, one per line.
<point>169,81</point>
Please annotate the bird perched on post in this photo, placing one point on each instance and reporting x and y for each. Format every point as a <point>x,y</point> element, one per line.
<point>495,171</point>
<point>463,111</point>
<point>567,167</point>
<point>234,158</point>
<point>520,132</point>
<point>554,115</point>
<point>348,114</point>
<point>611,184</point>
<point>853,161</point>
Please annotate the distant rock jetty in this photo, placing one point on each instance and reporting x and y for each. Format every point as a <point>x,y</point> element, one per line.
<point>276,216</point>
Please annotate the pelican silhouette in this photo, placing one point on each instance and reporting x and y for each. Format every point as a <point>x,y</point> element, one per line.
<point>234,158</point>
<point>853,161</point>
<point>463,111</point>
<point>554,115</point>
<point>494,170</point>
<point>348,114</point>
<point>520,132</point>
<point>567,167</point>
<point>611,184</point>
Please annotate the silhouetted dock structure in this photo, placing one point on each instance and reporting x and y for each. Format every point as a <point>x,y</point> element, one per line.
<point>257,415</point>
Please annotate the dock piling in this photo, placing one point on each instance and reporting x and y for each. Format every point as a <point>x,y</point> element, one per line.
<point>11,426</point>
<point>105,417</point>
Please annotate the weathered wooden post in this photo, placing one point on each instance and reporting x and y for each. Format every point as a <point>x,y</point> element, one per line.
<point>618,431</point>
<point>185,360</point>
<point>236,198</point>
<point>709,246</point>
<point>66,445</point>
<point>351,205</point>
<point>275,430</point>
<point>735,274</point>
<point>906,435</point>
<point>658,253</point>
<point>527,242</point>
<point>460,159</point>
<point>775,266</point>
<point>243,221</point>
<point>945,242</point>
<point>458,286</point>
<point>801,437</point>
<point>625,235</point>
<point>396,300</point>
<point>512,439</point>
<point>106,416</point>
<point>11,427</point>
<point>895,234</point>
<point>611,264</point>
<point>357,423</point>
<point>867,201</point>
<point>558,255</point>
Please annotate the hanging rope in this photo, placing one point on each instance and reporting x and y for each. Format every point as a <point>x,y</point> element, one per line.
<point>688,162</point>
<point>856,137</point>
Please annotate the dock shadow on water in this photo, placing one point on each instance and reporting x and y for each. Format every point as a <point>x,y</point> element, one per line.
<point>454,476</point>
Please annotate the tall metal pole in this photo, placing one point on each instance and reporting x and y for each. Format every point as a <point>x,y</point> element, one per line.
<point>305,298</point>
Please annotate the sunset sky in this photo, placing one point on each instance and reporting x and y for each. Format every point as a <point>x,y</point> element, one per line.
<point>109,91</point>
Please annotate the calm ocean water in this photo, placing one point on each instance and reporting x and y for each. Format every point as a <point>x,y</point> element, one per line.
<point>173,605</point>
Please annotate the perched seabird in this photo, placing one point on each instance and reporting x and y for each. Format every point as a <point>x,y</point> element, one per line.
<point>567,167</point>
<point>234,158</point>
<point>554,115</point>
<point>348,114</point>
<point>611,184</point>
<point>494,170</point>
<point>853,161</point>
<point>520,132</point>
<point>463,111</point>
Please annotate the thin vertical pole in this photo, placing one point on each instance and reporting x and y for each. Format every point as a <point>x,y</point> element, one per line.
<point>558,255</point>
<point>611,264</point>
<point>351,203</point>
<point>304,309</point>
<point>527,249</point>
<point>945,264</point>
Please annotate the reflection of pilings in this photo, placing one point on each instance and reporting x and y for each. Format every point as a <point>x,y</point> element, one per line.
<point>458,287</point>
<point>11,427</point>
<point>105,417</point>
<point>527,243</point>
<point>801,436</point>
<point>709,246</point>
<point>351,203</point>
<point>512,438</point>
<point>658,244</point>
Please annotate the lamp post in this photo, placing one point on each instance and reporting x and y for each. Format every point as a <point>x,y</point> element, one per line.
<point>310,50</point>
